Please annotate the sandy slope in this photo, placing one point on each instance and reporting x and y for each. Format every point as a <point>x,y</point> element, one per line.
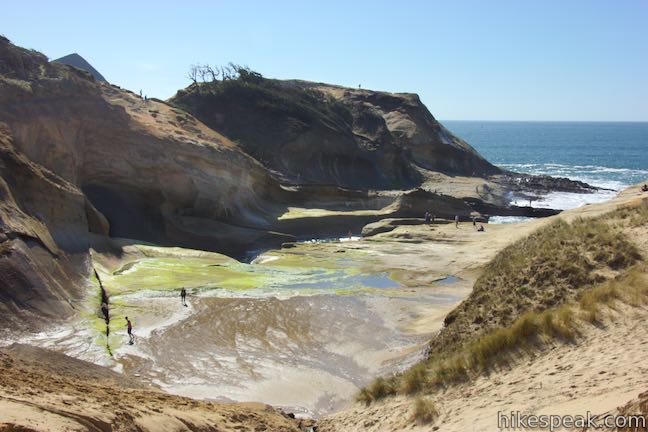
<point>599,373</point>
<point>602,371</point>
<point>47,391</point>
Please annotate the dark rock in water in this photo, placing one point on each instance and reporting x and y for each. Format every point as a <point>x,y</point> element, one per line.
<point>79,62</point>
<point>542,184</point>
<point>287,245</point>
<point>494,210</point>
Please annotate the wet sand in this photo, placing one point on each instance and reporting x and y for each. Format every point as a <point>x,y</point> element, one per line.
<point>306,353</point>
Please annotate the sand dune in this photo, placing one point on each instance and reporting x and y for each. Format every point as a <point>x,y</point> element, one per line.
<point>599,373</point>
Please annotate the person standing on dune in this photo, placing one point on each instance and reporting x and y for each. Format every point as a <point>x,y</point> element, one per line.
<point>457,221</point>
<point>183,296</point>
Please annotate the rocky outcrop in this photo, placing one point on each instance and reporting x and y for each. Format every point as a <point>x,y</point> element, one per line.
<point>83,160</point>
<point>409,204</point>
<point>79,62</point>
<point>416,202</point>
<point>412,128</point>
<point>536,185</point>
<point>313,133</point>
<point>153,172</point>
<point>488,209</point>
<point>387,225</point>
<point>43,234</point>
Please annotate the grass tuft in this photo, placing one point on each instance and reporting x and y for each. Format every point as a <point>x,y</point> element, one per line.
<point>378,389</point>
<point>425,410</point>
<point>414,379</point>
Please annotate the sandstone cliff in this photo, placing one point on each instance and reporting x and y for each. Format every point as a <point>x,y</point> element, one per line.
<point>43,221</point>
<point>322,134</point>
<point>84,160</point>
<point>155,172</point>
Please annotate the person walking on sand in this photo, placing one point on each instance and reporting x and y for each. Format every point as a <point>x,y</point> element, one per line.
<point>183,296</point>
<point>428,217</point>
<point>129,326</point>
<point>457,221</point>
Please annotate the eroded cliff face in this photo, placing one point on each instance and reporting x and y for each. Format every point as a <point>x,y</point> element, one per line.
<point>82,161</point>
<point>43,236</point>
<point>154,172</point>
<point>314,133</point>
<point>413,129</point>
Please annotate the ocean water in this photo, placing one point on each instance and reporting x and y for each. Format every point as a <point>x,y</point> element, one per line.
<point>611,155</point>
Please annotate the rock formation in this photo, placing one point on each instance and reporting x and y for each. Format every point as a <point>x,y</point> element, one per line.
<point>321,134</point>
<point>79,62</point>
<point>83,160</point>
<point>155,172</point>
<point>43,233</point>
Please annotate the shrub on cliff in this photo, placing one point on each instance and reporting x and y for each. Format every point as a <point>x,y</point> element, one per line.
<point>236,84</point>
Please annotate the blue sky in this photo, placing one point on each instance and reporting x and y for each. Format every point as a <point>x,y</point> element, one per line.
<point>479,60</point>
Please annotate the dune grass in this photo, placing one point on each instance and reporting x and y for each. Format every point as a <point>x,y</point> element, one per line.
<point>425,410</point>
<point>378,389</point>
<point>631,289</point>
<point>540,290</point>
<point>634,215</point>
<point>544,270</point>
<point>501,346</point>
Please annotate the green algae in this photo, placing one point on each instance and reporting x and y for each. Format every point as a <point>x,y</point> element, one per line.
<point>306,270</point>
<point>91,317</point>
<point>314,256</point>
<point>168,273</point>
<point>152,272</point>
